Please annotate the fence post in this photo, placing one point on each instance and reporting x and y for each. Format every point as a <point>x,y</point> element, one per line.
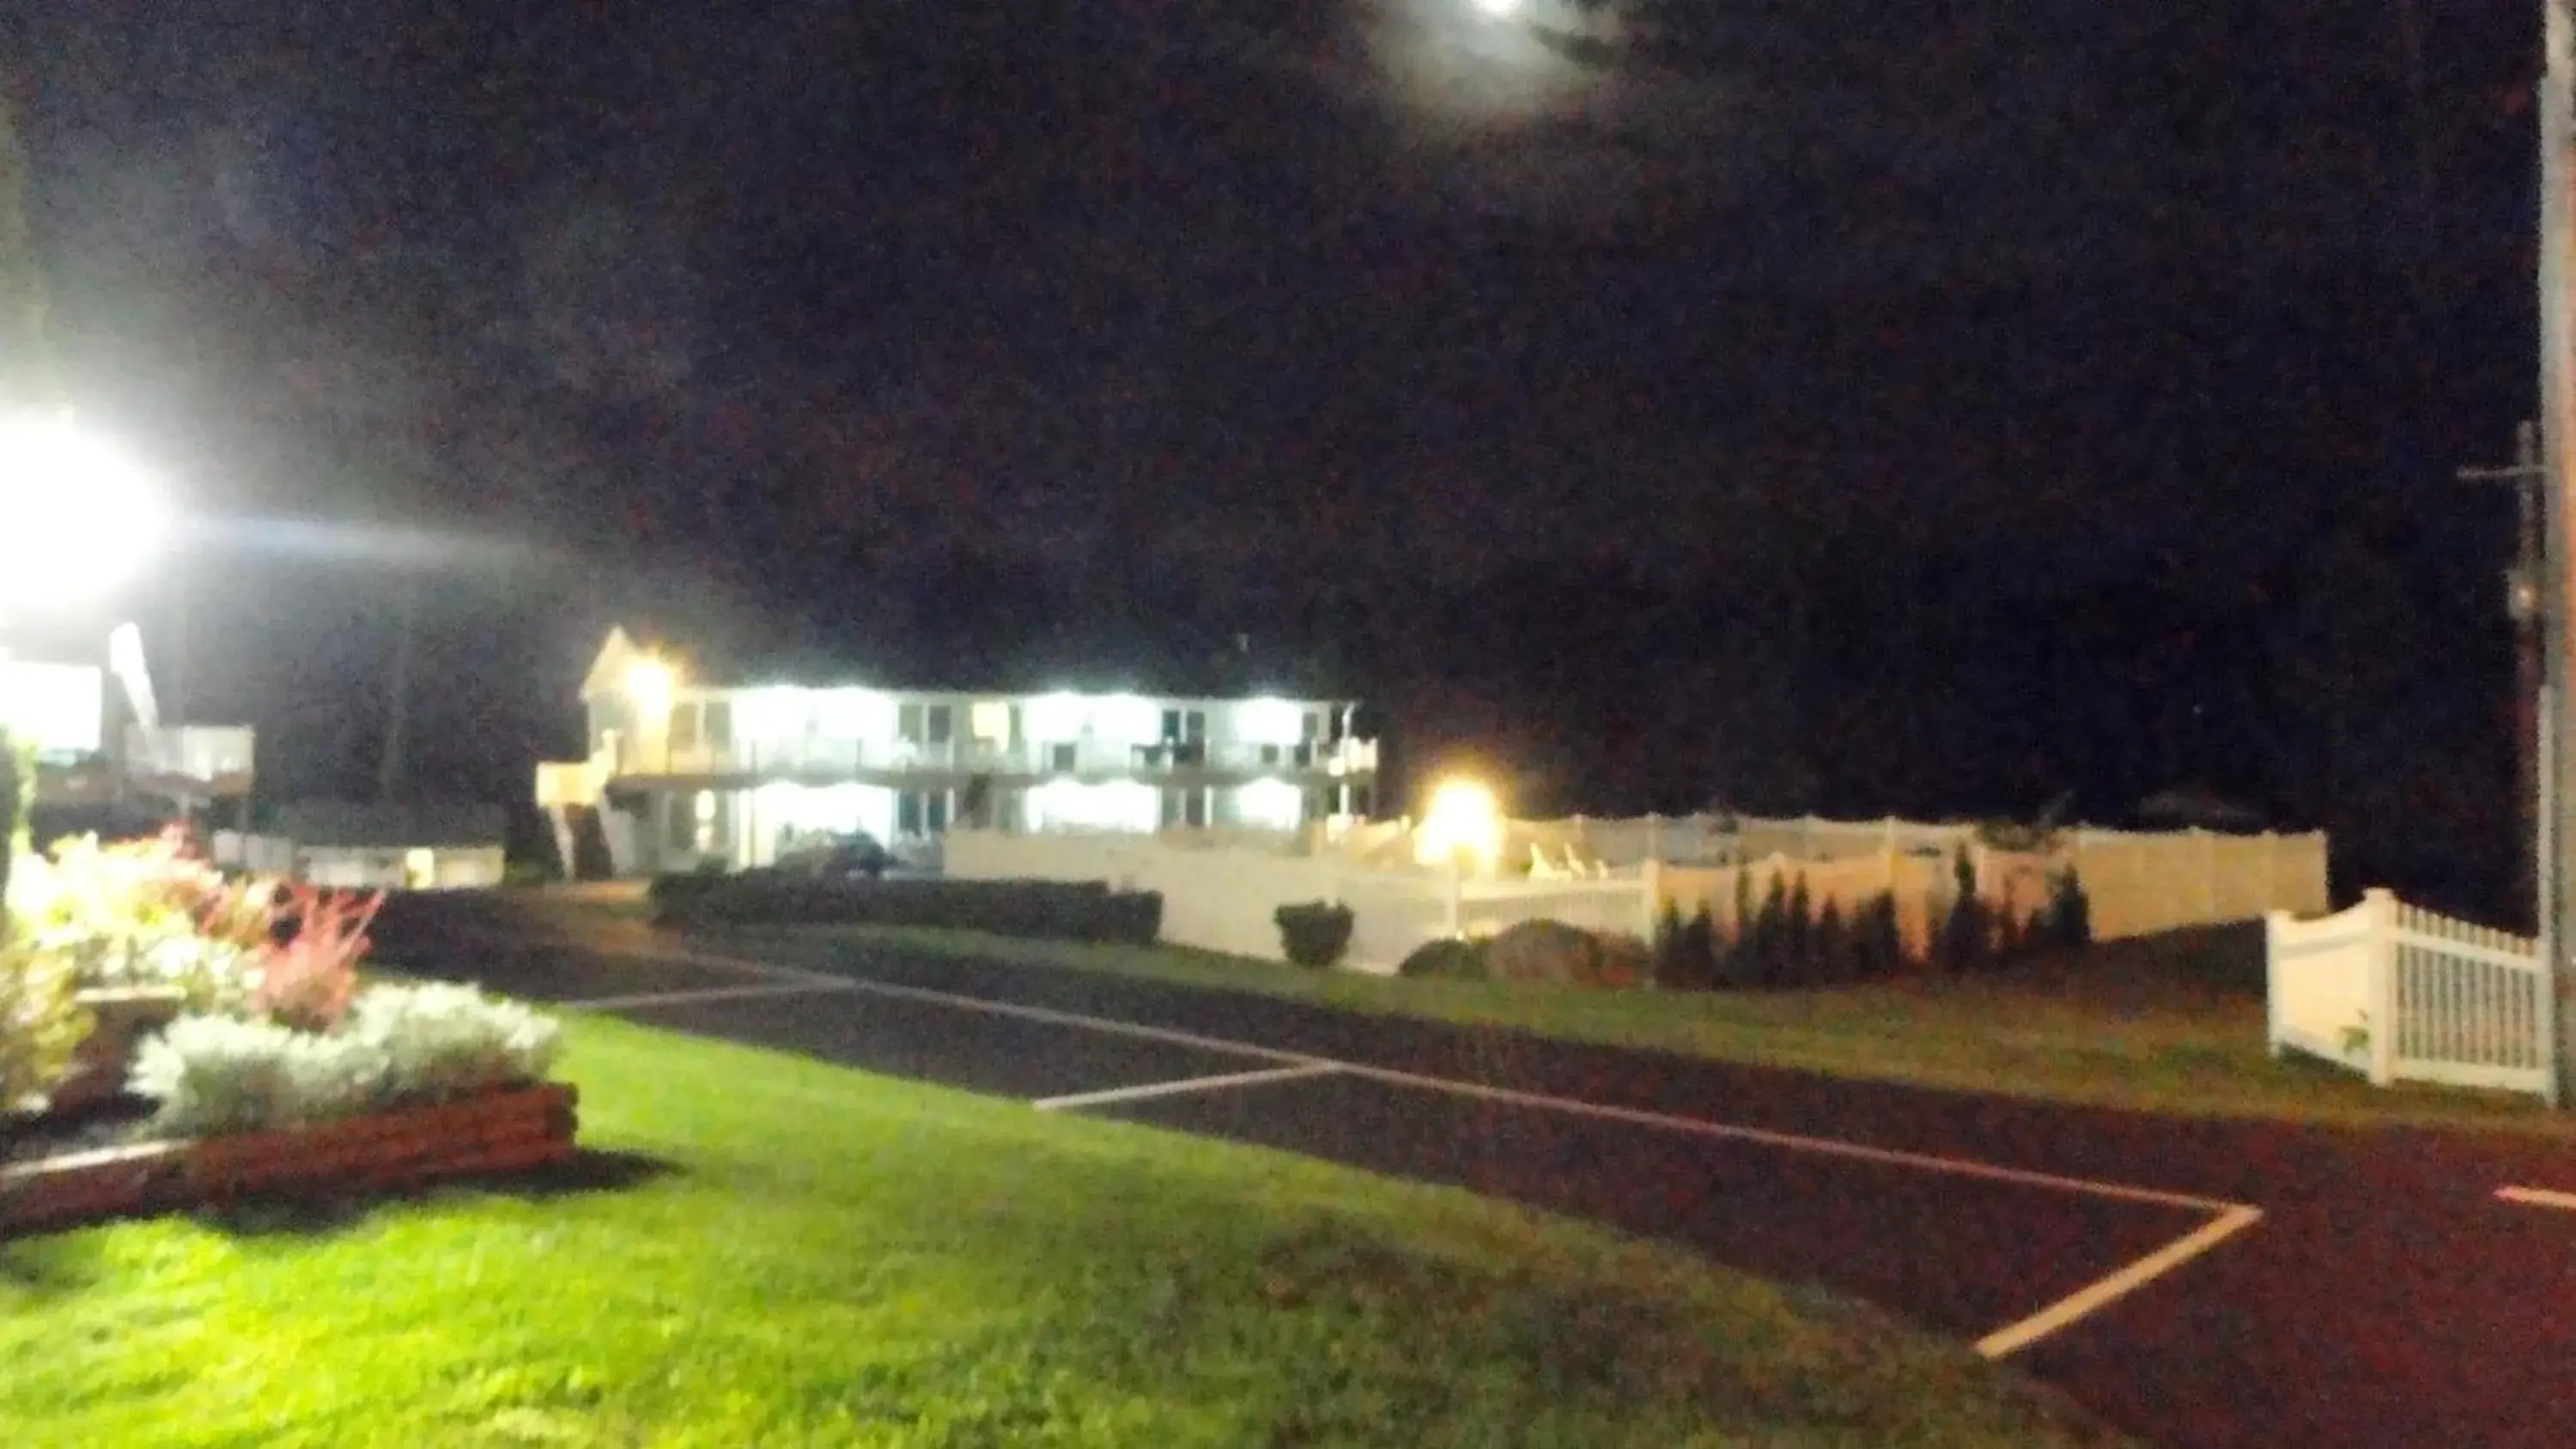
<point>2273,921</point>
<point>2383,985</point>
<point>1654,836</point>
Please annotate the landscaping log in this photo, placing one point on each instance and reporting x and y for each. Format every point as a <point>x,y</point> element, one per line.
<point>511,1131</point>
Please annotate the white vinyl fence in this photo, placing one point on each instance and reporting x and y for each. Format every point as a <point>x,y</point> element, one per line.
<point>1219,896</point>
<point>2138,883</point>
<point>2402,994</point>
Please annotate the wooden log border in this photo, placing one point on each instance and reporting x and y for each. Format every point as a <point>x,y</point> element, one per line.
<point>508,1131</point>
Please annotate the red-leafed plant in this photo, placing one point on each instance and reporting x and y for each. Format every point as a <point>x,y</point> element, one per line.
<point>306,981</point>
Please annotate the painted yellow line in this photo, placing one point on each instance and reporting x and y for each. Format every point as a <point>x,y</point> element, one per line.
<point>2538,1197</point>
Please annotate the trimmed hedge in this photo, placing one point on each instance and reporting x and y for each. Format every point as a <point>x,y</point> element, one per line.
<point>1315,935</point>
<point>1446,958</point>
<point>1040,909</point>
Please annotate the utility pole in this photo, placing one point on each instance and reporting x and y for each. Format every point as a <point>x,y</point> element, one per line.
<point>391,766</point>
<point>2525,475</point>
<point>2557,106</point>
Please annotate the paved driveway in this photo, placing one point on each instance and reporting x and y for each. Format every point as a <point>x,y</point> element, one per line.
<point>2198,1283</point>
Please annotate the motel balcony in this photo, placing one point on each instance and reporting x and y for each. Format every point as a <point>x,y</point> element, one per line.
<point>822,760</point>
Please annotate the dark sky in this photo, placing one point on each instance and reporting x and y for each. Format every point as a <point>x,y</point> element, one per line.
<point>1252,300</point>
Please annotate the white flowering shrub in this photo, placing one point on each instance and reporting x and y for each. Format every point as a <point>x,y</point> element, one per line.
<point>216,1074</point>
<point>441,1041</point>
<point>397,1046</point>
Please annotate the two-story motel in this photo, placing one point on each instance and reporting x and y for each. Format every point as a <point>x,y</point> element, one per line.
<point>687,769</point>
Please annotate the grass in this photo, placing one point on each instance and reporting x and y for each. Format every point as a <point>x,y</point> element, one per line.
<point>2173,1025</point>
<point>819,1257</point>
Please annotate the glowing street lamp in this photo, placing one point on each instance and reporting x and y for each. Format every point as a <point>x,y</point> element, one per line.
<point>1463,819</point>
<point>80,513</point>
<point>1499,9</point>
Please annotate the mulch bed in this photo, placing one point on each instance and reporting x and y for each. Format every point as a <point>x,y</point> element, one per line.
<point>93,1174</point>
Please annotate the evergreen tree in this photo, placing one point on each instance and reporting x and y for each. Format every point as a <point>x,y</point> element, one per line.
<point>1670,972</point>
<point>1964,938</point>
<point>1699,949</point>
<point>1798,929</point>
<point>1830,948</point>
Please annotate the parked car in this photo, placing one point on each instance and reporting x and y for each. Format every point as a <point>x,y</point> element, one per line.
<point>856,853</point>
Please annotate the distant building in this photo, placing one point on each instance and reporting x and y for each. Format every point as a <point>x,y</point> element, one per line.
<point>434,846</point>
<point>685,769</point>
<point>104,754</point>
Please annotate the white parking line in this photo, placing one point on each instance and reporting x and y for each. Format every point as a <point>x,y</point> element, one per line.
<point>707,993</point>
<point>2013,1337</point>
<point>2231,1218</point>
<point>1186,1085</point>
<point>2538,1197</point>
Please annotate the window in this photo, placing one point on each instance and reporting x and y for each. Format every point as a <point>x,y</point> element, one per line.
<point>1270,754</point>
<point>907,813</point>
<point>942,722</point>
<point>1060,757</point>
<point>990,720</point>
<point>684,726</point>
<point>1313,728</point>
<point>719,722</point>
<point>934,813</point>
<point>907,723</point>
<point>1171,724</point>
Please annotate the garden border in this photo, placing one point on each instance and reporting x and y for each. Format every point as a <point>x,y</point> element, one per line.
<point>507,1131</point>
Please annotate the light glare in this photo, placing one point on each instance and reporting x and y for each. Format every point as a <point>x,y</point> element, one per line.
<point>1463,819</point>
<point>85,512</point>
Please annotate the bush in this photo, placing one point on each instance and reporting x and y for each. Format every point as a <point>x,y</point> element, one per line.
<point>144,913</point>
<point>1620,962</point>
<point>1045,910</point>
<point>1315,935</point>
<point>1447,958</point>
<point>1549,951</point>
<point>399,1046</point>
<point>442,1041</point>
<point>41,1022</point>
<point>307,982</point>
<point>218,1074</point>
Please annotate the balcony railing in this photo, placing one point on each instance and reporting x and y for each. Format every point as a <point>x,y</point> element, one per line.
<point>848,759</point>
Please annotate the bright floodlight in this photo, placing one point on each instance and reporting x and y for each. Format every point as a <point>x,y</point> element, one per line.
<point>650,683</point>
<point>1463,818</point>
<point>80,514</point>
<point>1499,9</point>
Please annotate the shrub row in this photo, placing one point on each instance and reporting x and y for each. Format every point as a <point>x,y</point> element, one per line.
<point>1047,910</point>
<point>1786,942</point>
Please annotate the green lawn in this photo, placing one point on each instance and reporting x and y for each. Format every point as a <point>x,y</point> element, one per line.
<point>2173,1026</point>
<point>827,1258</point>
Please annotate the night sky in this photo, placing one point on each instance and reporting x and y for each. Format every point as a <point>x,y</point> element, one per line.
<point>1825,405</point>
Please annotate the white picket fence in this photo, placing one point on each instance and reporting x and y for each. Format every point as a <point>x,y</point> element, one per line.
<point>2402,994</point>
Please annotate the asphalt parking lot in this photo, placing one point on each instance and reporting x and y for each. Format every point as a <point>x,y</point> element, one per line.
<point>2199,1283</point>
